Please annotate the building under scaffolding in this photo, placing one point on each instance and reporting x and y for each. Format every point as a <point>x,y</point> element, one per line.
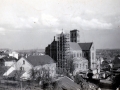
<point>63,51</point>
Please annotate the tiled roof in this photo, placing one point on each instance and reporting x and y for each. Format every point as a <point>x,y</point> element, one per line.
<point>40,60</point>
<point>85,46</point>
<point>74,46</point>
<point>68,84</point>
<point>79,59</point>
<point>9,58</point>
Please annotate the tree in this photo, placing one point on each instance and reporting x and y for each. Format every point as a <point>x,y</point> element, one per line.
<point>82,82</point>
<point>116,81</point>
<point>42,75</point>
<point>72,66</point>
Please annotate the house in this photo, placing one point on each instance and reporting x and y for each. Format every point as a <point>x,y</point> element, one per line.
<point>13,54</point>
<point>7,61</point>
<point>24,65</point>
<point>80,65</point>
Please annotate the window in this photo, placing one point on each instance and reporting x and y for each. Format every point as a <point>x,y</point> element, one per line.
<point>80,54</point>
<point>86,66</point>
<point>77,54</point>
<point>83,66</point>
<point>93,56</point>
<point>80,66</point>
<point>22,68</point>
<point>76,65</point>
<point>23,61</point>
<point>74,54</point>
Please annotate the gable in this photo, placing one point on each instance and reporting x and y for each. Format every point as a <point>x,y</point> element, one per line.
<point>85,46</point>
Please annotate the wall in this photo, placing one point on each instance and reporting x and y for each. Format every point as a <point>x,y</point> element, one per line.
<point>9,63</point>
<point>27,66</point>
<point>76,53</point>
<point>14,54</point>
<point>80,65</point>
<point>93,57</point>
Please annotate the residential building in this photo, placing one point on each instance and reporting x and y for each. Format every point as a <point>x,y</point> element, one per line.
<point>8,61</point>
<point>24,65</point>
<point>13,54</point>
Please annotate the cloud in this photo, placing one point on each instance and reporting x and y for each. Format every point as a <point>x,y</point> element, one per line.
<point>57,31</point>
<point>2,31</point>
<point>49,20</point>
<point>91,24</point>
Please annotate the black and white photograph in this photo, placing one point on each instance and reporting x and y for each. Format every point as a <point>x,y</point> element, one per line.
<point>59,44</point>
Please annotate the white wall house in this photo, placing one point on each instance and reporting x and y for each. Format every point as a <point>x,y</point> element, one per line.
<point>13,54</point>
<point>33,62</point>
<point>21,64</point>
<point>9,63</point>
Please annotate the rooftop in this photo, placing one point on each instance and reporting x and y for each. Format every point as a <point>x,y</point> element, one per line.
<point>67,83</point>
<point>40,60</point>
<point>74,46</point>
<point>85,46</point>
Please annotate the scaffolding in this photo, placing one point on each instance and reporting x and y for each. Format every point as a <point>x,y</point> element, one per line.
<point>63,51</point>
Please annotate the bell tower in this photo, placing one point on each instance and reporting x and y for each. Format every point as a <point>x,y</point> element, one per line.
<point>74,36</point>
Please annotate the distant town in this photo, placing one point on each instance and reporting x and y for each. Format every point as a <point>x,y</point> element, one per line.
<point>65,64</point>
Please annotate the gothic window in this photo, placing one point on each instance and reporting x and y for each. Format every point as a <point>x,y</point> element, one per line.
<point>83,65</point>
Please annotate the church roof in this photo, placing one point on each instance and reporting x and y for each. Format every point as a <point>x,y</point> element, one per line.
<point>74,46</point>
<point>85,46</point>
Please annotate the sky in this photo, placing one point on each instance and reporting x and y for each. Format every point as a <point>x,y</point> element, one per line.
<point>32,24</point>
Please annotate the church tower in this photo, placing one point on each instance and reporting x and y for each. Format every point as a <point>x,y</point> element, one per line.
<point>74,36</point>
